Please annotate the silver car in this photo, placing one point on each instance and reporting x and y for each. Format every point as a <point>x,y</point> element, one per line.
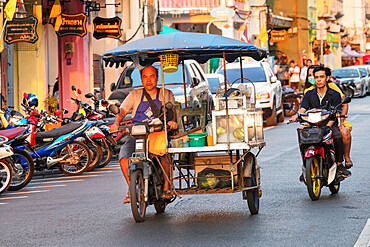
<point>354,74</point>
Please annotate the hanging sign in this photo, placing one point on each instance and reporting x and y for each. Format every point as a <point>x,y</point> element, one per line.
<point>73,25</point>
<point>107,28</point>
<point>277,36</point>
<point>21,30</point>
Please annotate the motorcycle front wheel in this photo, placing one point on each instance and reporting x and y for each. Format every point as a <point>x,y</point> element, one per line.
<point>96,155</point>
<point>313,180</point>
<point>23,169</point>
<point>107,153</point>
<point>6,174</point>
<point>138,205</point>
<point>76,158</point>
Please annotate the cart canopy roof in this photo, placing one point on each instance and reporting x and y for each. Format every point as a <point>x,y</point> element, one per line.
<point>198,46</point>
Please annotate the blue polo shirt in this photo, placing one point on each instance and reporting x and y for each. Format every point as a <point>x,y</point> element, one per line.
<point>311,100</point>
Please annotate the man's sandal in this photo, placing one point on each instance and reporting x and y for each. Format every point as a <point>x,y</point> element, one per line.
<point>167,194</point>
<point>127,199</point>
<point>348,164</point>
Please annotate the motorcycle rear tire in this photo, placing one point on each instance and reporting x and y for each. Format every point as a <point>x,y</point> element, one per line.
<point>334,187</point>
<point>106,155</point>
<point>6,175</point>
<point>314,184</point>
<point>96,155</point>
<point>138,205</point>
<point>26,172</point>
<point>295,106</point>
<point>81,168</point>
<point>348,92</point>
<point>160,206</point>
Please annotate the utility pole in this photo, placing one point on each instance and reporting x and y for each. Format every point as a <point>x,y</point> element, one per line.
<point>321,35</point>
<point>146,24</point>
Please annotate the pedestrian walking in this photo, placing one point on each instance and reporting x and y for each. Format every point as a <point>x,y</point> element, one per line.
<point>294,71</point>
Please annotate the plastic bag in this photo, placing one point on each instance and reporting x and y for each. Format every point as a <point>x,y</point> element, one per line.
<point>157,143</point>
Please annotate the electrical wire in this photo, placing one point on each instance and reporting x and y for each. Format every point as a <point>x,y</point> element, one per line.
<point>137,30</point>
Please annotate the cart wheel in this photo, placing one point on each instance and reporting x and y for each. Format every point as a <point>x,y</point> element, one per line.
<point>252,196</point>
<point>160,206</point>
<point>138,205</point>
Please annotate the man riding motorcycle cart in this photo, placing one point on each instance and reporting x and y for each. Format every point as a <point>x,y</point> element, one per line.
<point>321,97</point>
<point>143,103</point>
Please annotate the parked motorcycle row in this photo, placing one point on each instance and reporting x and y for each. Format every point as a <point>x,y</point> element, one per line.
<point>40,141</point>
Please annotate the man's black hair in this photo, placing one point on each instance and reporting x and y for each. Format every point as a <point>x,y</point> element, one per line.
<point>321,67</point>
<point>292,61</point>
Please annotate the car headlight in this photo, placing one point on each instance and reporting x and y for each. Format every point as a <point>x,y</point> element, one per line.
<point>315,117</point>
<point>138,130</point>
<point>261,96</point>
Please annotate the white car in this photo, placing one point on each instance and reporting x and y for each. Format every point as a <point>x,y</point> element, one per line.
<point>268,87</point>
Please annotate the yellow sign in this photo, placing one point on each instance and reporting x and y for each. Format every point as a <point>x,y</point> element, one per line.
<point>278,36</point>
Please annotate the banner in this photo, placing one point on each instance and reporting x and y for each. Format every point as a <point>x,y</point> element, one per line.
<point>72,25</point>
<point>21,30</point>
<point>107,28</point>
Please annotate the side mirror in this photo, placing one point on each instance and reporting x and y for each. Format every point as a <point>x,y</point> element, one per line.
<point>79,91</point>
<point>65,111</point>
<point>346,100</point>
<point>57,113</point>
<point>104,103</point>
<point>73,88</point>
<point>273,79</point>
<point>195,81</point>
<point>89,95</point>
<point>112,87</point>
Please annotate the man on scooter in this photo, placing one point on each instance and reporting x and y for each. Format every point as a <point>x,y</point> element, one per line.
<point>142,111</point>
<point>320,97</point>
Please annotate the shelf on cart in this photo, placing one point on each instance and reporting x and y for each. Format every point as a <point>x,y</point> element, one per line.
<point>218,147</point>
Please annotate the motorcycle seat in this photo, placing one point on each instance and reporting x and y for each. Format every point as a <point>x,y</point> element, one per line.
<point>59,131</point>
<point>11,133</point>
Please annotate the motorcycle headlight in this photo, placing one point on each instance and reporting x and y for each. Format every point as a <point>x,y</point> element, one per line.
<point>315,117</point>
<point>138,130</point>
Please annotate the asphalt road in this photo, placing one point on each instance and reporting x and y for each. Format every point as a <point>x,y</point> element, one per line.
<point>87,210</point>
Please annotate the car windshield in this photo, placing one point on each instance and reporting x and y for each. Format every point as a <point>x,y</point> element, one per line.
<point>255,74</point>
<point>345,73</point>
<point>214,83</point>
<point>132,78</point>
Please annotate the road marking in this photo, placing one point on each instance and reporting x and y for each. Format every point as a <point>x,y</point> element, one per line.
<point>354,117</point>
<point>3,203</point>
<point>271,127</point>
<point>29,192</point>
<point>364,238</point>
<point>16,197</point>
<point>97,172</point>
<point>48,186</point>
<point>64,181</point>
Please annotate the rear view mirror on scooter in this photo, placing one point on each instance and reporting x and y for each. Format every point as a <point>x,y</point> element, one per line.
<point>89,95</point>
<point>73,88</point>
<point>346,100</point>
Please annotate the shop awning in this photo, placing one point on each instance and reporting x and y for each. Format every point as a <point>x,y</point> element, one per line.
<point>281,22</point>
<point>348,52</point>
<point>167,29</point>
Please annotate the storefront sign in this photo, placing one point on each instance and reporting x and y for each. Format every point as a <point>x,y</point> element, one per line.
<point>21,30</point>
<point>107,28</point>
<point>73,25</point>
<point>277,36</point>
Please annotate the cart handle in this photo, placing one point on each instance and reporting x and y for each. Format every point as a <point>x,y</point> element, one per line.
<point>254,87</point>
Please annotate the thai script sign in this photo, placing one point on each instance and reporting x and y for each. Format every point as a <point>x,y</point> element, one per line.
<point>107,28</point>
<point>277,36</point>
<point>72,25</point>
<point>21,30</point>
